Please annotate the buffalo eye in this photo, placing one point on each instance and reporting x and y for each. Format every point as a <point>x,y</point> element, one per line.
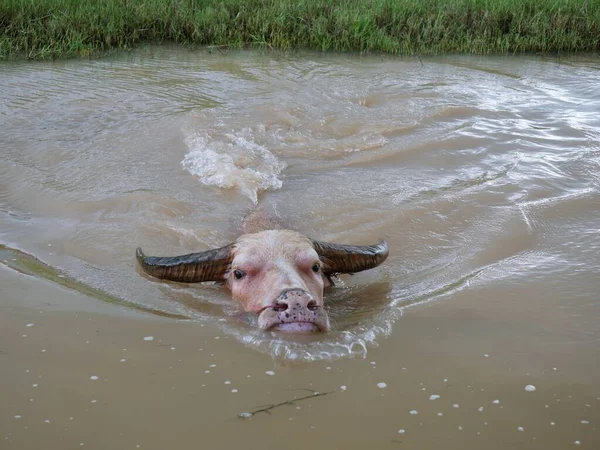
<point>316,268</point>
<point>238,274</point>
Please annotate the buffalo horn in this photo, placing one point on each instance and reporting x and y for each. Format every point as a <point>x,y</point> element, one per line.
<point>210,265</point>
<point>338,258</point>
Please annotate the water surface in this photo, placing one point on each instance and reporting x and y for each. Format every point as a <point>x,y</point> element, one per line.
<point>482,173</point>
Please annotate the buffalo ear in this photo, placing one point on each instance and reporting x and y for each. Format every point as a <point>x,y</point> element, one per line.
<point>210,265</point>
<point>340,258</point>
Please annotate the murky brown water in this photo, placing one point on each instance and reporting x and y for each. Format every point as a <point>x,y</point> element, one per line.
<point>482,173</point>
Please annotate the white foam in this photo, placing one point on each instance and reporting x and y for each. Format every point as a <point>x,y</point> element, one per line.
<point>381,385</point>
<point>496,402</point>
<point>149,338</point>
<point>520,429</point>
<point>270,372</point>
<point>233,160</point>
<point>434,397</point>
<point>93,377</point>
<point>401,431</point>
<point>413,412</point>
<point>530,388</point>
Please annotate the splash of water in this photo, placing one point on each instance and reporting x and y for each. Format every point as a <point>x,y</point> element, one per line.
<point>233,160</point>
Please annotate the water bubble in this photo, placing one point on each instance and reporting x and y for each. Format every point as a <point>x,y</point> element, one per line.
<point>530,388</point>
<point>434,397</point>
<point>381,385</point>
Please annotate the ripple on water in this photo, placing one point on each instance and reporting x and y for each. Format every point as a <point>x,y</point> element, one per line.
<point>462,167</point>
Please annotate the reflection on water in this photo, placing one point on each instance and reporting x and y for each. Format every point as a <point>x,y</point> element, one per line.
<point>476,170</point>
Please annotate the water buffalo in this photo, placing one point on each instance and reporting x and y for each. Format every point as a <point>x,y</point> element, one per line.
<point>276,273</point>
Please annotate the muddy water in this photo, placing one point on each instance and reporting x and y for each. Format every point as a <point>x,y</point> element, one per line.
<point>482,173</point>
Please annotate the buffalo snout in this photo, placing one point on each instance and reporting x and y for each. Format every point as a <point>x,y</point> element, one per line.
<point>296,310</point>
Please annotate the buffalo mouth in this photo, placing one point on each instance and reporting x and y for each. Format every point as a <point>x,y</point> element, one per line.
<point>297,327</point>
<point>319,324</point>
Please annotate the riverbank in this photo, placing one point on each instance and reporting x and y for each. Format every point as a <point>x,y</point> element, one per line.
<point>48,29</point>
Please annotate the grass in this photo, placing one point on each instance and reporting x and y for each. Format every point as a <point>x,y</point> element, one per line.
<point>45,29</point>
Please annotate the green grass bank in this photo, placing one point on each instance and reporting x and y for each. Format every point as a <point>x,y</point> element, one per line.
<point>43,29</point>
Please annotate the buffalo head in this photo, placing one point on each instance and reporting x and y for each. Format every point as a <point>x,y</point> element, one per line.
<point>277,274</point>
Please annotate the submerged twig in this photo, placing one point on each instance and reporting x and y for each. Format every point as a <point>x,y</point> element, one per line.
<point>267,409</point>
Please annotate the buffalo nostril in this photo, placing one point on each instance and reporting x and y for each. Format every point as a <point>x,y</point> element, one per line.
<point>280,307</point>
<point>312,305</point>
